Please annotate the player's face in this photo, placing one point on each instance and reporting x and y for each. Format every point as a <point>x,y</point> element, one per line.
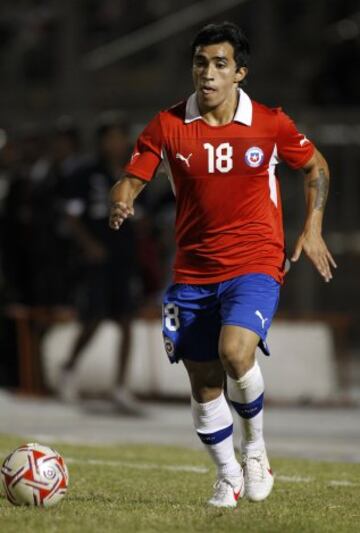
<point>215,73</point>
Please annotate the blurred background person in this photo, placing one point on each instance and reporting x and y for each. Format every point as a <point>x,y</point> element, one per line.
<point>108,281</point>
<point>35,243</point>
<point>19,269</point>
<point>36,247</point>
<point>51,250</point>
<point>8,159</point>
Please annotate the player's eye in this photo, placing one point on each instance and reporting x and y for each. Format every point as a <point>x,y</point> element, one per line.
<point>220,65</point>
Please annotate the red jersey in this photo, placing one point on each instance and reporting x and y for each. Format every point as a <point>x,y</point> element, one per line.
<point>228,206</point>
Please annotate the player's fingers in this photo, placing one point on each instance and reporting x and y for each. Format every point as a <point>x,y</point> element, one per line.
<point>331,259</point>
<point>114,224</point>
<point>328,262</point>
<point>324,268</point>
<point>120,209</point>
<point>115,221</point>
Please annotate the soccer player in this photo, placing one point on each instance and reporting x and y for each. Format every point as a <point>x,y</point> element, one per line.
<point>221,150</point>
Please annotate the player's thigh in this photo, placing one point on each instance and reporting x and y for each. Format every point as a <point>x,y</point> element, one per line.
<point>206,379</point>
<point>191,323</point>
<point>248,302</point>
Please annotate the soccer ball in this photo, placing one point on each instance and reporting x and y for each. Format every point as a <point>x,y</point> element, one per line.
<point>34,475</point>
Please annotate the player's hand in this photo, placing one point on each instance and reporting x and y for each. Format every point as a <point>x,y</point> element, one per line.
<point>315,248</point>
<point>119,211</point>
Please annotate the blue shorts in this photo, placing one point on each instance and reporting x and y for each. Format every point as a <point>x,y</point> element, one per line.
<point>193,314</point>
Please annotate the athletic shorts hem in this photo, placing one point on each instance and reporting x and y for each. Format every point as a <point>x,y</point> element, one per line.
<point>262,342</point>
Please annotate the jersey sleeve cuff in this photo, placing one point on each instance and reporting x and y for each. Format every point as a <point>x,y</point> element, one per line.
<point>305,159</point>
<point>137,173</point>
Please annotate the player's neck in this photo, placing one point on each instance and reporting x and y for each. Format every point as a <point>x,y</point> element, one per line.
<point>221,114</point>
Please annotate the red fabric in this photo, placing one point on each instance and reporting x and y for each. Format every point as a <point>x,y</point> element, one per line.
<point>228,222</point>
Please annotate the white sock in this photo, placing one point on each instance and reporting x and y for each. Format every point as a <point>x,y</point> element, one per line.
<point>214,424</point>
<point>246,395</point>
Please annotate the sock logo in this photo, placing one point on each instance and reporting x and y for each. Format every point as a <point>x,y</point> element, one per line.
<point>216,436</point>
<point>251,409</point>
<point>263,320</point>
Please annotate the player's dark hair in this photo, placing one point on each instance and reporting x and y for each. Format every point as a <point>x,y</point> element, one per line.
<point>224,32</point>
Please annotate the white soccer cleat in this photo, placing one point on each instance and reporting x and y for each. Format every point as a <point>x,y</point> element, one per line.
<point>258,476</point>
<point>227,492</point>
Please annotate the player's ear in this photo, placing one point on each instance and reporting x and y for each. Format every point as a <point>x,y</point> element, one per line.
<point>240,74</point>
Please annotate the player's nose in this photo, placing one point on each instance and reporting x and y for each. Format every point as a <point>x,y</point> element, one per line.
<point>208,73</point>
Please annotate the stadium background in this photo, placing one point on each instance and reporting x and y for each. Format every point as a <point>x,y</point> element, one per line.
<point>84,57</point>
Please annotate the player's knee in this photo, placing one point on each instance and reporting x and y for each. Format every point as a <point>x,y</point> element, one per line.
<point>236,357</point>
<point>230,352</point>
<point>206,382</point>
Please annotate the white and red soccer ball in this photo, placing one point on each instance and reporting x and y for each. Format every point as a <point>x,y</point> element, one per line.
<point>34,475</point>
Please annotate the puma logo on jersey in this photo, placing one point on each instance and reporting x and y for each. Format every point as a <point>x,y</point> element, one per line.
<point>263,320</point>
<point>184,159</point>
<point>303,141</point>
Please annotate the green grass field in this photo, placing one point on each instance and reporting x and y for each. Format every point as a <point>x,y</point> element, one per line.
<point>164,489</point>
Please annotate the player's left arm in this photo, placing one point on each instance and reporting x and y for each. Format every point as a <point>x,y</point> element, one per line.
<point>316,184</point>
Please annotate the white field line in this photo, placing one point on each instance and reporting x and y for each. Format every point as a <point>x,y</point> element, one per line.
<point>139,466</point>
<point>192,469</point>
<point>293,479</point>
<point>198,470</point>
<point>342,483</point>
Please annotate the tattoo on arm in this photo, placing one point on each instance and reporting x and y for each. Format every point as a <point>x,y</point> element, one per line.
<point>321,184</point>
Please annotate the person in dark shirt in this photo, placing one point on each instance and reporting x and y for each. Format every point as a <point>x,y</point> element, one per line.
<point>108,277</point>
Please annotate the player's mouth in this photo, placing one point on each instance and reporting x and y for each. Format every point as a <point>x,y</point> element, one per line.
<point>207,90</point>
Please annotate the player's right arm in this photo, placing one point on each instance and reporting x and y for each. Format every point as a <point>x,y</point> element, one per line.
<point>122,197</point>
<point>146,158</point>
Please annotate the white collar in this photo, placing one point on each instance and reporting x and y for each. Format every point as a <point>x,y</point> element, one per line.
<point>243,112</point>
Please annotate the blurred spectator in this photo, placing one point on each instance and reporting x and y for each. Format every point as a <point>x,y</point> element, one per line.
<point>36,248</point>
<point>8,160</point>
<point>164,214</point>
<point>150,264</point>
<point>35,241</point>
<point>109,283</point>
<point>9,371</point>
<point>18,217</point>
<point>51,249</point>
